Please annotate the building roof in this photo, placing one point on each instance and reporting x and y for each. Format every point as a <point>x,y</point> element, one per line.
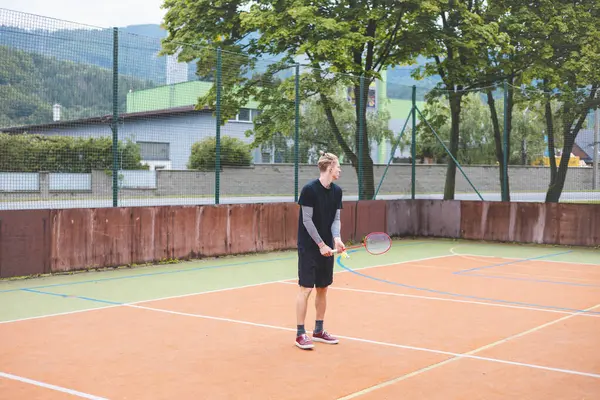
<point>585,141</point>
<point>107,119</point>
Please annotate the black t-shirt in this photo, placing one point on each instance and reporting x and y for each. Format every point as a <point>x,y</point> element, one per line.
<point>325,203</point>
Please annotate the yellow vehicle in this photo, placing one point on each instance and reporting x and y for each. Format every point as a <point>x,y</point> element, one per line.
<point>574,161</point>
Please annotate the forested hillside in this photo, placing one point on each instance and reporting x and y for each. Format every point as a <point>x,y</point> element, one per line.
<point>138,47</point>
<point>31,83</point>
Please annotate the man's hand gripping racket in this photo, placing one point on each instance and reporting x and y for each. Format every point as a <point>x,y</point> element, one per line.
<point>375,243</point>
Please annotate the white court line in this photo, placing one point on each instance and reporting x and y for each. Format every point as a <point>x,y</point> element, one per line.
<point>207,292</point>
<point>534,276</point>
<point>476,257</point>
<point>522,266</point>
<point>139,302</point>
<point>59,314</point>
<point>49,386</point>
<point>399,346</point>
<point>469,256</point>
<point>415,296</point>
<point>470,353</point>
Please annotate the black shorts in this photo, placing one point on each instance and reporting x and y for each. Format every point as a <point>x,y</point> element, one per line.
<point>314,270</point>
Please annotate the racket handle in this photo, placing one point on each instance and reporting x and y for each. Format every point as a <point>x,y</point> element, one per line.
<point>344,254</point>
<point>349,248</point>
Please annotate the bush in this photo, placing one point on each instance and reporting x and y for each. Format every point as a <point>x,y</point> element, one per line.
<point>35,153</point>
<point>234,153</point>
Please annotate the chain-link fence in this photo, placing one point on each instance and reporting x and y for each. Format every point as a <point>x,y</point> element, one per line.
<point>93,117</point>
<point>506,156</point>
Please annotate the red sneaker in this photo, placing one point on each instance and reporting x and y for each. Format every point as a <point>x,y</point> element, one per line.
<point>325,337</point>
<point>304,342</point>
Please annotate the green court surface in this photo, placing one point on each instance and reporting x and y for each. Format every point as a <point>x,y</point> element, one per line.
<point>34,297</point>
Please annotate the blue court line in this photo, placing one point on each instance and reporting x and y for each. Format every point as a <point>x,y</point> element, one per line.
<point>514,278</point>
<point>70,296</point>
<point>171,272</point>
<point>34,289</point>
<point>150,274</point>
<point>572,310</point>
<point>511,262</point>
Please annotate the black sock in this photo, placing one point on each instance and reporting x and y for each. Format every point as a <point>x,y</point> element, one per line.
<point>300,330</point>
<point>318,326</point>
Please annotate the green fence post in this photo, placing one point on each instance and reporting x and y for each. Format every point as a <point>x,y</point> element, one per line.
<point>218,130</point>
<point>297,133</point>
<point>115,119</point>
<point>505,150</point>
<point>361,133</point>
<point>413,145</point>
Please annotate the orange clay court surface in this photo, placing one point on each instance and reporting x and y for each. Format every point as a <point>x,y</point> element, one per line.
<point>430,319</point>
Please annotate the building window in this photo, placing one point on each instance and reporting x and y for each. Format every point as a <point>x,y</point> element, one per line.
<point>246,115</point>
<point>265,157</point>
<point>154,151</point>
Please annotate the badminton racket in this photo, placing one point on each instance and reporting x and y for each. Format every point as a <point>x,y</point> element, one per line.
<point>376,243</point>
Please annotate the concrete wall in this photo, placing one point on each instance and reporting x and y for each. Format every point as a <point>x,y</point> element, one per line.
<point>278,179</point>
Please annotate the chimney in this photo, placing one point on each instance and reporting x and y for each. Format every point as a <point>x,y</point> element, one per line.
<point>56,112</point>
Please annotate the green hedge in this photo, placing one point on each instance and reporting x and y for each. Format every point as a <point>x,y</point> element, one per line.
<point>234,153</point>
<point>36,153</point>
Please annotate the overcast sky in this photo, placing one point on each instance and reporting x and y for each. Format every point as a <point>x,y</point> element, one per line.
<point>101,13</point>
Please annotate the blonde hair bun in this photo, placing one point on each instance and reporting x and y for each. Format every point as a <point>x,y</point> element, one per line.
<point>326,160</point>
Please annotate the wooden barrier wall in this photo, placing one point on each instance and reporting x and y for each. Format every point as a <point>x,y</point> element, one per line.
<point>548,223</point>
<point>43,241</point>
<point>542,223</point>
<point>24,242</point>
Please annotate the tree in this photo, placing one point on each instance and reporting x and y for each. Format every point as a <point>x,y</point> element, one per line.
<point>566,73</point>
<point>549,45</point>
<point>527,130</point>
<point>339,41</point>
<point>315,132</point>
<point>476,141</point>
<point>460,43</point>
<point>508,64</point>
<point>477,134</point>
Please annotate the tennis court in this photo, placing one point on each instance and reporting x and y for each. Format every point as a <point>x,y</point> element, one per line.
<point>430,319</point>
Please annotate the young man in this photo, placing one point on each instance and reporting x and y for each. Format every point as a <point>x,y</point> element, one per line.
<point>318,232</point>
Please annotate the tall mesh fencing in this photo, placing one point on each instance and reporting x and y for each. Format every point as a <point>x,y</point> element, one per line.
<point>553,161</point>
<point>505,156</point>
<point>329,124</point>
<point>158,115</point>
<point>457,144</point>
<point>392,97</point>
<point>56,91</point>
<point>97,117</point>
<point>256,103</point>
